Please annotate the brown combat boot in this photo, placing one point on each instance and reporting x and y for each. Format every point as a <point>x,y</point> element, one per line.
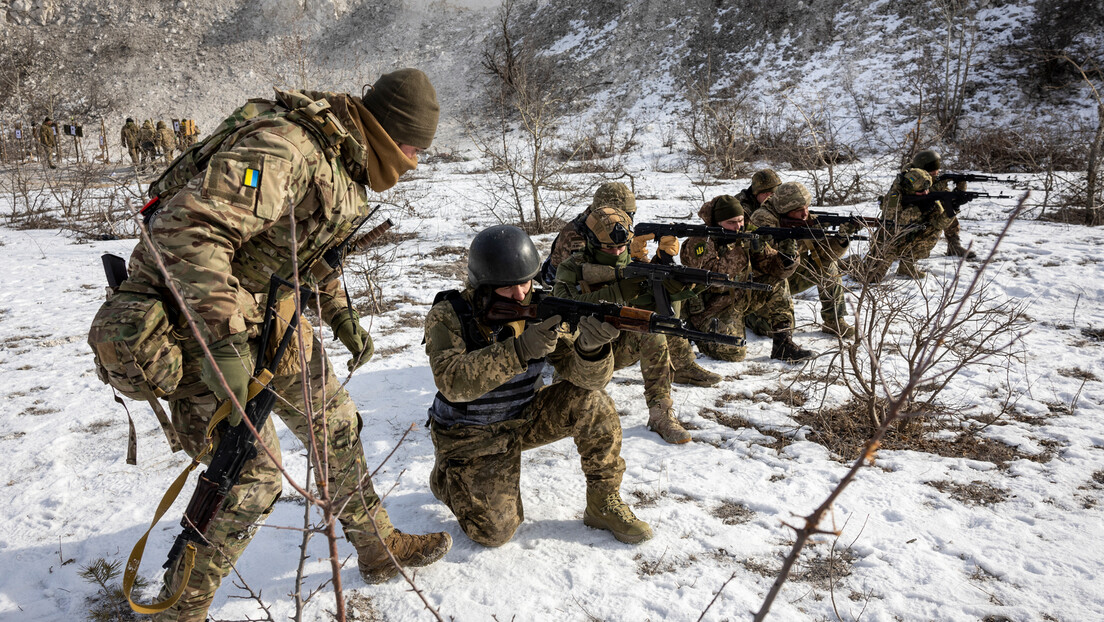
<point>910,270</point>
<point>609,512</point>
<point>661,420</point>
<point>839,327</point>
<point>784,349</point>
<point>409,550</point>
<point>956,249</point>
<point>696,375</point>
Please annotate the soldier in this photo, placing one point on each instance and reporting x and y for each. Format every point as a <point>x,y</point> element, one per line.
<point>930,162</point>
<point>743,261</point>
<point>591,275</point>
<point>166,141</point>
<point>571,239</point>
<point>47,140</point>
<point>490,405</point>
<point>223,236</point>
<point>818,266</point>
<point>908,247</point>
<point>128,136</point>
<point>147,142</point>
<point>762,187</point>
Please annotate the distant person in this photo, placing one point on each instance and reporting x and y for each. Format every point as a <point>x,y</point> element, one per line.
<point>930,162</point>
<point>47,140</point>
<point>128,136</point>
<point>166,141</point>
<point>147,142</point>
<point>895,243</point>
<point>762,187</point>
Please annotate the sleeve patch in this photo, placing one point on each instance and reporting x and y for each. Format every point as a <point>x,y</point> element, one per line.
<point>699,249</point>
<point>252,178</point>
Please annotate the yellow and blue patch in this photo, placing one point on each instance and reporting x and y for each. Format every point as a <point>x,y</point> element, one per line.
<point>252,178</point>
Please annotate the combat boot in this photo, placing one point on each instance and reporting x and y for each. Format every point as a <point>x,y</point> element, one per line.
<point>694,374</point>
<point>910,270</point>
<point>956,249</point>
<point>839,327</point>
<point>661,420</point>
<point>784,349</point>
<point>409,550</point>
<point>609,512</point>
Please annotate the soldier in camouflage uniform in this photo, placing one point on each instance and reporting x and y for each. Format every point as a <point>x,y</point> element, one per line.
<point>47,140</point>
<point>591,275</point>
<point>818,267</point>
<point>147,142</point>
<point>743,261</point>
<point>491,406</point>
<point>891,244</point>
<point>571,239</point>
<point>762,187</point>
<point>128,136</point>
<point>166,141</point>
<point>222,236</point>
<point>930,161</point>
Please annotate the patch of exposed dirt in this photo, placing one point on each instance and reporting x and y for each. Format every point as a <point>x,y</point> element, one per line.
<point>732,513</point>
<point>975,493</point>
<point>1078,373</point>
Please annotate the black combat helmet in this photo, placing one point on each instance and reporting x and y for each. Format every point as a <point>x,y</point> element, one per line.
<point>928,160</point>
<point>500,256</point>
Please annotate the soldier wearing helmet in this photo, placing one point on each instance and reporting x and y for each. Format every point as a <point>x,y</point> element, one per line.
<point>128,136</point>
<point>929,161</point>
<point>47,140</point>
<point>746,261</point>
<point>924,227</point>
<point>592,275</point>
<point>491,404</point>
<point>166,141</point>
<point>818,268</point>
<point>763,184</point>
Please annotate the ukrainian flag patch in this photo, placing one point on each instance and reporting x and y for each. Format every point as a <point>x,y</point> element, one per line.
<point>252,178</point>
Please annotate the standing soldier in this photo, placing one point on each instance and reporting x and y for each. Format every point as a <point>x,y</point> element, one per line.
<point>147,142</point>
<point>166,140</point>
<point>572,239</point>
<point>591,275</point>
<point>818,266</point>
<point>491,406</point>
<point>128,136</point>
<point>743,261</point>
<point>930,162</point>
<point>896,243</point>
<point>47,140</point>
<point>223,236</point>
<point>762,187</point>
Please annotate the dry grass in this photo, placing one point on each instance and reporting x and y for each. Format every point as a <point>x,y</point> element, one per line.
<point>974,494</point>
<point>732,513</point>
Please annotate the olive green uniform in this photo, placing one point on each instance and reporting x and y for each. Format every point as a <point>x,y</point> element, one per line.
<point>128,136</point>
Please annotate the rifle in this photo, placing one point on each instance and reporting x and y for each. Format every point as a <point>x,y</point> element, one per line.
<point>804,232</point>
<point>957,177</point>
<point>832,219</point>
<point>544,306</point>
<point>237,445</point>
<point>680,230</point>
<point>656,274</point>
<point>952,200</point>
<point>335,256</point>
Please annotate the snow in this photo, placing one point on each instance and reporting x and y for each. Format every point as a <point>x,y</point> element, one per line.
<point>917,553</point>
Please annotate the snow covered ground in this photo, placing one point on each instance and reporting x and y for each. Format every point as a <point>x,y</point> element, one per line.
<point>913,544</point>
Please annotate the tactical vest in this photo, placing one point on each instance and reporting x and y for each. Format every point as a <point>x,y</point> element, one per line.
<point>507,401</point>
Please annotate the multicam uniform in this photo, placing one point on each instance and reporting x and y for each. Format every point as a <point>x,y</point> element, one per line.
<point>729,306</point>
<point>491,406</point>
<point>166,141</point>
<point>128,136</point>
<point>47,141</point>
<point>222,236</point>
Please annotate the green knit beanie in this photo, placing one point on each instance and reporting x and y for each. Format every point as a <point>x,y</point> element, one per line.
<point>726,207</point>
<point>405,104</point>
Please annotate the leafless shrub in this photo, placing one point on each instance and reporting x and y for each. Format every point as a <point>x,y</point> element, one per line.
<point>719,124</point>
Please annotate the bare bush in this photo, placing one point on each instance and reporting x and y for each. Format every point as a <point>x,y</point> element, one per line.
<point>719,124</point>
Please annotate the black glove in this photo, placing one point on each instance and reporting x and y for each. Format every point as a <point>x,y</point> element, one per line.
<point>594,333</point>
<point>538,341</point>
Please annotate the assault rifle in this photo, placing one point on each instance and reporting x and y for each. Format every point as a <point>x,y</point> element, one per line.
<point>970,177</point>
<point>656,274</point>
<point>680,230</point>
<point>237,445</point>
<point>335,256</point>
<point>805,232</point>
<point>544,306</point>
<point>952,200</point>
<point>832,219</point>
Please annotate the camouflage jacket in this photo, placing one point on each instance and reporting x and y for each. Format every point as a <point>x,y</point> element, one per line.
<point>892,209</point>
<point>228,230</point>
<point>568,241</point>
<point>819,253</point>
<point>747,199</point>
<point>128,136</point>
<point>463,376</point>
<point>45,135</point>
<point>739,262</point>
<point>166,139</point>
<point>147,134</point>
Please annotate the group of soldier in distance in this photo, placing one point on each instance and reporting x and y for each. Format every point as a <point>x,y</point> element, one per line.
<point>294,173</point>
<point>145,144</point>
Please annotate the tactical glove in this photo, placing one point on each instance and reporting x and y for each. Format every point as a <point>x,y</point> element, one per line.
<point>231,357</point>
<point>346,327</point>
<point>594,333</point>
<point>788,247</point>
<point>663,258</point>
<point>538,341</point>
<point>669,244</point>
<point>849,228</point>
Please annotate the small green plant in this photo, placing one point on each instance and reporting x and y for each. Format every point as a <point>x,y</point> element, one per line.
<point>109,604</point>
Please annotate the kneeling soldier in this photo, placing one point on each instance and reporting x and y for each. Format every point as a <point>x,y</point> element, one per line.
<point>491,406</point>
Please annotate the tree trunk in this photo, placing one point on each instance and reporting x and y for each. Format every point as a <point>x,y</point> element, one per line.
<point>1091,210</point>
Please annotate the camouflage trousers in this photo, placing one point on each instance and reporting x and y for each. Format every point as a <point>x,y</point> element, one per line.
<point>908,249</point>
<point>773,309</point>
<point>133,151</point>
<point>477,469</point>
<point>336,427</point>
<point>655,362</point>
<point>826,278</point>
